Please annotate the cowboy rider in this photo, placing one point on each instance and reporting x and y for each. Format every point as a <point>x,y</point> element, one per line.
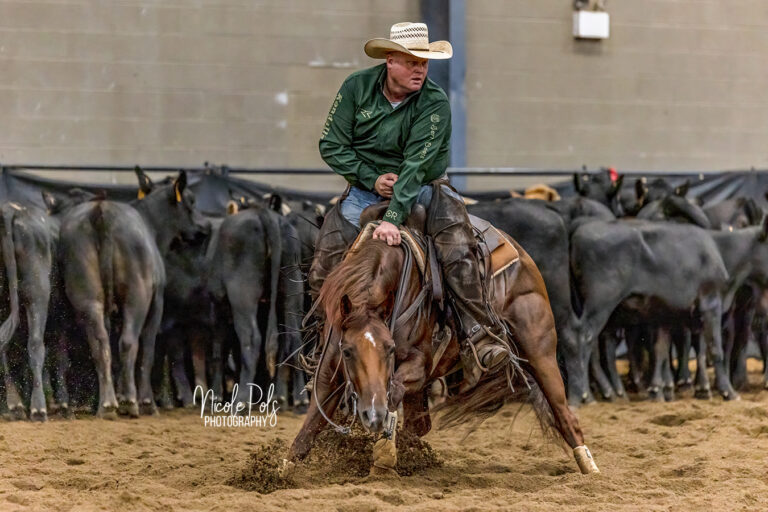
<point>388,134</point>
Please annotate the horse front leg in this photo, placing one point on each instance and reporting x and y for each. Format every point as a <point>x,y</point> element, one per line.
<point>408,387</point>
<point>327,382</point>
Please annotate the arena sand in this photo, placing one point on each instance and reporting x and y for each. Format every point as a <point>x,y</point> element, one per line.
<point>685,455</point>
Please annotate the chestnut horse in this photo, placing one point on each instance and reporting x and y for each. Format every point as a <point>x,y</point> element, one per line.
<point>385,370</point>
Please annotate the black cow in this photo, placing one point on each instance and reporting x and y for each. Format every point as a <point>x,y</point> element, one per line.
<point>244,261</point>
<point>602,188</point>
<point>672,206</point>
<point>28,238</point>
<point>113,267</point>
<point>659,272</point>
<point>745,253</point>
<point>734,213</point>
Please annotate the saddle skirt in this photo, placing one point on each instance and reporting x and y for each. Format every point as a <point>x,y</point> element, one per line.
<point>499,251</point>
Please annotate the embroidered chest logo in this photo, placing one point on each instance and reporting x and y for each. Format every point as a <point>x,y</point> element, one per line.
<point>365,113</point>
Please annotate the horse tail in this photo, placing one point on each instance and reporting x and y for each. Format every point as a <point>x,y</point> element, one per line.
<point>484,400</point>
<point>9,259</point>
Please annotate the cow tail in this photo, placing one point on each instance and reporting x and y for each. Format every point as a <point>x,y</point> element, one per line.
<point>106,272</point>
<point>8,328</point>
<point>275,244</point>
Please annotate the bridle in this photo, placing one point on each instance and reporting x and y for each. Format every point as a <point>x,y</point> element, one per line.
<point>396,322</point>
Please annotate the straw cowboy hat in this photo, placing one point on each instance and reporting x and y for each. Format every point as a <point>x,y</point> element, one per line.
<point>410,38</point>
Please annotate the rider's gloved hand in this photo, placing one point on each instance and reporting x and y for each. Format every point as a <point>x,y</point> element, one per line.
<point>388,232</point>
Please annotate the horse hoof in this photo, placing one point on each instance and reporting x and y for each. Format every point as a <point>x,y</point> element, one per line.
<point>107,412</point>
<point>286,469</point>
<point>38,415</point>
<point>148,409</point>
<point>129,408</point>
<point>377,471</point>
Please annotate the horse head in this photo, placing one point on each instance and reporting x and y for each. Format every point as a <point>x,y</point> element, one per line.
<point>358,298</point>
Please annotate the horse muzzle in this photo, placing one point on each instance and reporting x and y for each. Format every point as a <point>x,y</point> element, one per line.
<point>373,417</point>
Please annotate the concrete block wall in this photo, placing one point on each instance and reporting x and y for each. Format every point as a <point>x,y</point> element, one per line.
<point>178,82</point>
<point>680,84</point>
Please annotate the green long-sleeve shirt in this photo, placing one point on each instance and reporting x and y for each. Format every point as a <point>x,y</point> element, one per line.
<point>364,137</point>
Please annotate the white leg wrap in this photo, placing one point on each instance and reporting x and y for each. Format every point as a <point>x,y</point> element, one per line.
<point>584,459</point>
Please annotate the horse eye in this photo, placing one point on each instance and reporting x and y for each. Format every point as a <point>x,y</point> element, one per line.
<point>347,352</point>
<point>391,351</point>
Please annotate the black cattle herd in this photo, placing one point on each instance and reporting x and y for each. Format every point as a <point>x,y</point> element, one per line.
<point>117,308</point>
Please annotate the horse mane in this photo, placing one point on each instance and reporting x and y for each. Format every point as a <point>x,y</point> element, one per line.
<point>368,276</point>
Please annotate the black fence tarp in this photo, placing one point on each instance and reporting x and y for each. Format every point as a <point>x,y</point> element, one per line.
<point>214,188</point>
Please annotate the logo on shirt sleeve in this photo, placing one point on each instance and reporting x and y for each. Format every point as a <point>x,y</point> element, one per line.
<point>365,113</point>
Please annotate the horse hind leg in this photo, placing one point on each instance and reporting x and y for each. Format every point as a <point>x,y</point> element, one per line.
<point>534,331</point>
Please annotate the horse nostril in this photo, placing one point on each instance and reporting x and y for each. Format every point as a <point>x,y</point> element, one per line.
<point>366,416</point>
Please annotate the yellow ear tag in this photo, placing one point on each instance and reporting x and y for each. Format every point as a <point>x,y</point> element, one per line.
<point>178,194</point>
<point>141,194</point>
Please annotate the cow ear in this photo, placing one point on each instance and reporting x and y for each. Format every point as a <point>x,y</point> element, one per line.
<point>682,190</point>
<point>275,202</point>
<point>577,183</point>
<point>640,190</point>
<point>232,207</point>
<point>145,184</point>
<point>51,203</point>
<point>617,185</point>
<point>179,184</point>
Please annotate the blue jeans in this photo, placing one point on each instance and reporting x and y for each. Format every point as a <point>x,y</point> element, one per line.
<point>358,200</point>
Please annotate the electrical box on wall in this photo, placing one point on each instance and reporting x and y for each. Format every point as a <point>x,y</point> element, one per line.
<point>591,24</point>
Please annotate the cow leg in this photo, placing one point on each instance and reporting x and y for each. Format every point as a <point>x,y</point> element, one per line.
<point>666,374</point>
<point>36,318</point>
<point>681,337</point>
<point>148,336</point>
<point>632,336</point>
<point>12,395</point>
<point>598,375</point>
<point>176,359</point>
<point>197,346</point>
<point>762,340</point>
<point>300,400</point>
<point>247,329</point>
<point>702,389</point>
<point>60,362</point>
<point>98,340</point>
<point>218,343</point>
<point>576,370</point>
<point>282,381</point>
<point>712,332</point>
<point>610,340</point>
<point>742,331</point>
<point>133,319</point>
<point>660,358</point>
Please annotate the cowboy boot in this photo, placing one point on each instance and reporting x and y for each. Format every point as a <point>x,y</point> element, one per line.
<point>335,236</point>
<point>484,347</point>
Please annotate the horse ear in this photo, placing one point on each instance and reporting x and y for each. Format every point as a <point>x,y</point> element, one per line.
<point>346,306</point>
